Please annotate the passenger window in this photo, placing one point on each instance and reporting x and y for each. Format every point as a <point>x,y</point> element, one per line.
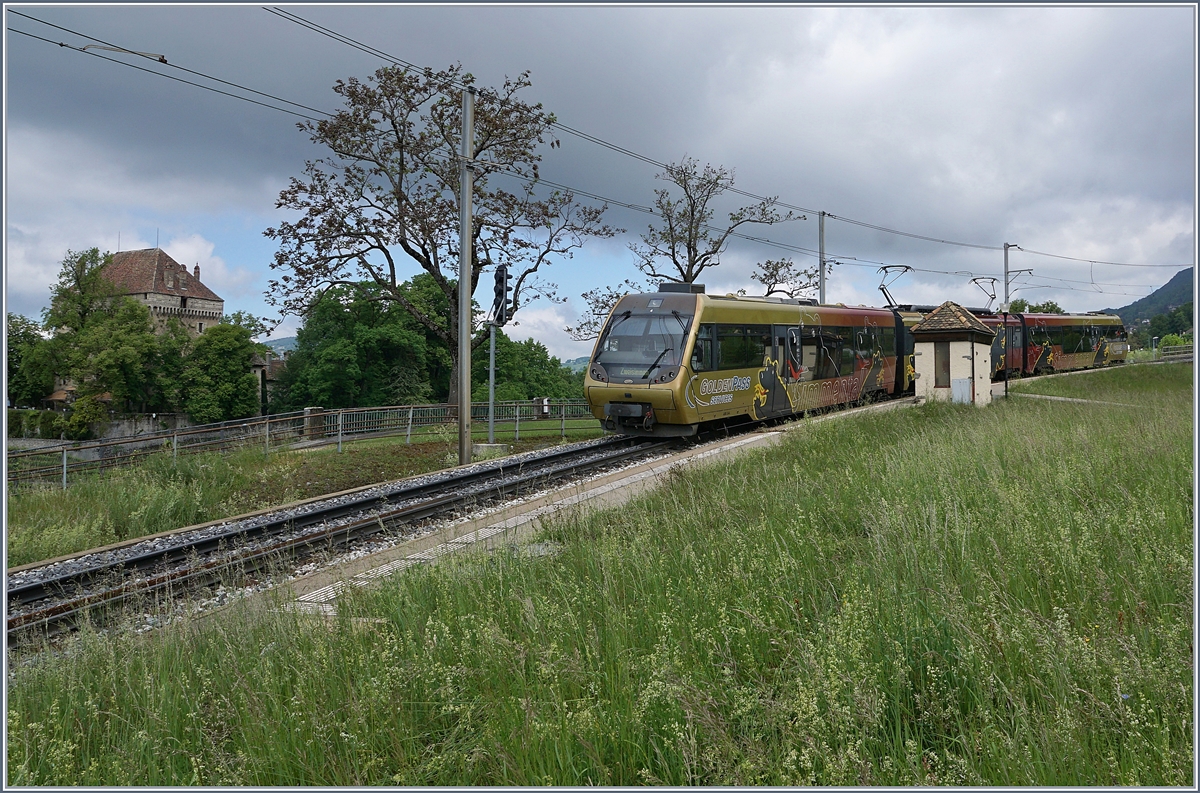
<point>887,340</point>
<point>739,347</point>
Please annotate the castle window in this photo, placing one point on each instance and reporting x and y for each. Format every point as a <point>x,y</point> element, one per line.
<point>183,302</point>
<point>199,327</point>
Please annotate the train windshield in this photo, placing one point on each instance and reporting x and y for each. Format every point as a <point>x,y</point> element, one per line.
<point>638,345</point>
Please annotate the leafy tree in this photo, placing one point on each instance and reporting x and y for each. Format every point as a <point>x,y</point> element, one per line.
<point>1176,321</point>
<point>217,384</point>
<point>387,196</point>
<point>1022,306</point>
<point>524,370</point>
<point>102,342</point>
<point>782,275</point>
<point>355,352</point>
<point>685,244</point>
<point>115,352</point>
<point>81,291</point>
<point>28,380</point>
<point>256,326</point>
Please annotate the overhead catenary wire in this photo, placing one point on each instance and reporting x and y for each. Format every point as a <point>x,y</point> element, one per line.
<point>157,60</point>
<point>168,76</point>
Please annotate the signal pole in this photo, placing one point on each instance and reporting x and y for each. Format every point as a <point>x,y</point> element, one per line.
<point>821,264</point>
<point>466,175</point>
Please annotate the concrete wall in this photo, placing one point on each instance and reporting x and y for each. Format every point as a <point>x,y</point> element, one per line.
<point>960,369</point>
<point>141,424</point>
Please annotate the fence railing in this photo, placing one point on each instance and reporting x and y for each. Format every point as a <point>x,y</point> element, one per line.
<point>1175,352</point>
<point>302,429</point>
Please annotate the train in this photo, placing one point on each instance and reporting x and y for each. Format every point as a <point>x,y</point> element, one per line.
<point>671,362</point>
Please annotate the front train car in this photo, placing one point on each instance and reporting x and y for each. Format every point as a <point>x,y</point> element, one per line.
<point>668,362</point>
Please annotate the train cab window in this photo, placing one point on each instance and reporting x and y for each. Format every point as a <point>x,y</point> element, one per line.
<point>1116,332</point>
<point>941,364</point>
<point>887,341</point>
<point>702,351</point>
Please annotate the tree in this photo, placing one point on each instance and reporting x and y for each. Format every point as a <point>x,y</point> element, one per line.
<point>524,370</point>
<point>782,275</point>
<point>257,327</point>
<point>387,197</point>
<point>81,290</point>
<point>685,244</point>
<point>1022,306</point>
<point>356,352</point>
<point>217,384</point>
<point>28,380</point>
<point>103,342</point>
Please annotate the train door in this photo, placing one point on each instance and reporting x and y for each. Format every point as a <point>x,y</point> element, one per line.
<point>776,374</point>
<point>793,364</point>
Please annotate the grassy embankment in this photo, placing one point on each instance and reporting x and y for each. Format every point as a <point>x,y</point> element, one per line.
<point>936,595</point>
<point>159,495</point>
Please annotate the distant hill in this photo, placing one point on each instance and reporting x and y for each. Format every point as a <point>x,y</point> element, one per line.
<point>577,365</point>
<point>280,346</point>
<point>1175,292</point>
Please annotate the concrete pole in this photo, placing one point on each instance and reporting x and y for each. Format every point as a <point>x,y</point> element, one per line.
<point>492,387</point>
<point>340,432</point>
<point>64,451</point>
<point>821,263</point>
<point>464,277</point>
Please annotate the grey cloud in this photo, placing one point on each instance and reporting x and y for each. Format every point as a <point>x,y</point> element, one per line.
<point>1063,129</point>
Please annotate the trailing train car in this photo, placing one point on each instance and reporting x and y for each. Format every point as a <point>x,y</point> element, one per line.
<point>1062,342</point>
<point>669,361</point>
<point>1047,343</point>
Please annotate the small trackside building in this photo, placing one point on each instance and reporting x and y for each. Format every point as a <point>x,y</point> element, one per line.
<point>953,355</point>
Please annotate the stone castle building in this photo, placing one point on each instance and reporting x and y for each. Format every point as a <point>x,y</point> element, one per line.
<point>166,287</point>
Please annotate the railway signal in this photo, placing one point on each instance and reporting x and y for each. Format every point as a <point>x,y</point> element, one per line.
<point>500,306</point>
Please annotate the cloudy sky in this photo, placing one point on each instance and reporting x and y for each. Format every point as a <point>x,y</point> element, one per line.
<point>1063,130</point>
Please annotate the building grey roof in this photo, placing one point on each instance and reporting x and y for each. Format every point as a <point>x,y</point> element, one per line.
<point>152,270</point>
<point>950,317</point>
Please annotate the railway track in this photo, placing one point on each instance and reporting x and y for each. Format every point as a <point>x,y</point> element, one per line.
<point>47,599</point>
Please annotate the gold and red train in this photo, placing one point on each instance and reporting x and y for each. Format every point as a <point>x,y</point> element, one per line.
<point>669,362</point>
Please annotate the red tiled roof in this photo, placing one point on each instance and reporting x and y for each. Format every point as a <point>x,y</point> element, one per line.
<point>948,317</point>
<point>146,270</point>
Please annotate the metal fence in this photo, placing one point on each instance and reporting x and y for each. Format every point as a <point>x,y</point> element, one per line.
<point>1175,353</point>
<point>302,429</point>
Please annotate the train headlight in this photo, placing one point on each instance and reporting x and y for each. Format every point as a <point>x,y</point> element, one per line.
<point>597,372</point>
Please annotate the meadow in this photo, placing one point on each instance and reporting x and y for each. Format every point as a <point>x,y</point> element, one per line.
<point>937,595</point>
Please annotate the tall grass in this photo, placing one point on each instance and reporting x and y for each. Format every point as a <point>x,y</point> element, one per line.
<point>944,595</point>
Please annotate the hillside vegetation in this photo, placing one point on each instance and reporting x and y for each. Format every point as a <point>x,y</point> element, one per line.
<point>938,595</point>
